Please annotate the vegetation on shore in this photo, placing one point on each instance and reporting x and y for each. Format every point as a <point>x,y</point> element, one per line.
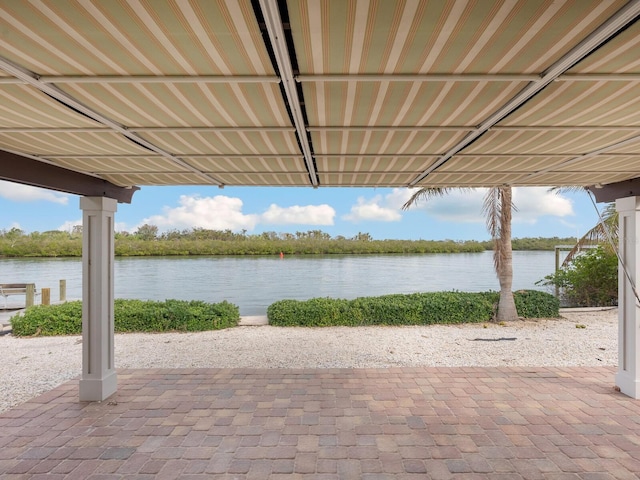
<point>146,241</point>
<point>590,279</point>
<point>411,309</point>
<point>129,316</point>
<point>589,274</point>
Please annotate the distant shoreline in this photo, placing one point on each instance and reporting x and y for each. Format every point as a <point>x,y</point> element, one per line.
<point>205,242</point>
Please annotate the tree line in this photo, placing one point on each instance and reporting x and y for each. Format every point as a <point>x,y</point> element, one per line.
<point>148,241</point>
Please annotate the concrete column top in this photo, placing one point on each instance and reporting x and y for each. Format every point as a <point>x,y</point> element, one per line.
<point>99,204</point>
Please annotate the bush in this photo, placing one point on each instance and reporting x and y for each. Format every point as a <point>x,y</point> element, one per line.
<point>590,280</point>
<point>63,319</point>
<point>129,316</point>
<point>536,304</point>
<point>173,315</point>
<point>412,309</point>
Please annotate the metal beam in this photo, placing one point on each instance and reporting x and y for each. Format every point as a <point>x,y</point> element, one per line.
<point>273,22</point>
<point>145,129</point>
<point>597,77</point>
<point>464,77</point>
<point>228,79</point>
<point>331,128</point>
<point>398,77</point>
<point>401,128</point>
<point>188,156</point>
<point>138,79</point>
<point>27,171</point>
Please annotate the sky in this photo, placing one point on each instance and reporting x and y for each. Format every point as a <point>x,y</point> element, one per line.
<point>336,211</point>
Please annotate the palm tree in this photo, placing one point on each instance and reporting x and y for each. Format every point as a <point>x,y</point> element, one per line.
<point>497,209</point>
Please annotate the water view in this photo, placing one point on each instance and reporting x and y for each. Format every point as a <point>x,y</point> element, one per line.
<point>253,283</point>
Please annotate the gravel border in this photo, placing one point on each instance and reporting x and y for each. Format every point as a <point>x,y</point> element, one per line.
<point>31,366</point>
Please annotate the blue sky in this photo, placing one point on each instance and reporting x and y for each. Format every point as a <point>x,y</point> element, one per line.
<point>337,211</point>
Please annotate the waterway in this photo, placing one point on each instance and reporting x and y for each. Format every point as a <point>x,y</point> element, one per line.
<point>253,283</point>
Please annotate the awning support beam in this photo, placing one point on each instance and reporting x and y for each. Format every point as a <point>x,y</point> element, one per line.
<point>273,22</point>
<point>27,171</point>
<point>613,191</point>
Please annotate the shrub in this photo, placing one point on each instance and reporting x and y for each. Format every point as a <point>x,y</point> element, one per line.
<point>536,304</point>
<point>317,312</point>
<point>590,280</point>
<point>412,309</point>
<point>129,316</point>
<point>63,319</point>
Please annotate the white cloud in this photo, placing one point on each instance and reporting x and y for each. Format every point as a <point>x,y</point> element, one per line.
<point>464,206</point>
<point>535,202</point>
<point>214,213</point>
<point>379,208</point>
<point>68,225</point>
<point>307,215</point>
<point>398,197</point>
<point>222,213</point>
<point>121,227</point>
<point>25,193</point>
<point>372,210</point>
<point>455,206</point>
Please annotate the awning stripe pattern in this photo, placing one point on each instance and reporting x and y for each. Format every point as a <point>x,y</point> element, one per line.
<point>345,93</point>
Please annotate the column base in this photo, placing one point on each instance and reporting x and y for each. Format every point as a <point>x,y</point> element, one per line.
<point>98,389</point>
<point>628,384</point>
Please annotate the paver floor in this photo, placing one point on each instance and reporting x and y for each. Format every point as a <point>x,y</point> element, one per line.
<point>398,423</point>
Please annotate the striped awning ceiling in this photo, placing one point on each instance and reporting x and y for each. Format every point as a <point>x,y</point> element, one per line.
<point>324,92</point>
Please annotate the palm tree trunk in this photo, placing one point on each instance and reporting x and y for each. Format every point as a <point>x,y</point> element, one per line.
<point>503,257</point>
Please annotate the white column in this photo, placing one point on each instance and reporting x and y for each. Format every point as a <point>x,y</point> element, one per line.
<point>98,379</point>
<point>628,376</point>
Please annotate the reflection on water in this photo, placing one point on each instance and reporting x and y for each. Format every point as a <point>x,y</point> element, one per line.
<point>253,283</point>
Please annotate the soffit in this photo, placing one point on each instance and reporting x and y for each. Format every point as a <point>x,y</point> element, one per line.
<point>337,93</point>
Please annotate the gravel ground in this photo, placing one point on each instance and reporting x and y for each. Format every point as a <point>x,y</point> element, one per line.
<point>31,366</point>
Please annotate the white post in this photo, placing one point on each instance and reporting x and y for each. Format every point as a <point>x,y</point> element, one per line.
<point>98,380</point>
<point>628,376</point>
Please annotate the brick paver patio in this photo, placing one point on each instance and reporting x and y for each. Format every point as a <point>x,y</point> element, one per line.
<point>397,423</point>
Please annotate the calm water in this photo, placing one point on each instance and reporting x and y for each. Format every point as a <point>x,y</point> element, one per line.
<point>253,283</point>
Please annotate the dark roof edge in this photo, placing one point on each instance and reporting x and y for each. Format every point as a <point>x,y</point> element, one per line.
<point>612,191</point>
<point>25,170</point>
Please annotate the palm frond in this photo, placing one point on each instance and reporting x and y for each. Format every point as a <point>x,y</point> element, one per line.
<point>427,193</point>
<point>568,189</point>
<point>497,208</point>
<point>492,210</point>
<point>601,234</point>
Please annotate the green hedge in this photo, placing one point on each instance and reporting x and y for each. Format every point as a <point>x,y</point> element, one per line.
<point>129,316</point>
<point>412,309</point>
<point>536,304</point>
